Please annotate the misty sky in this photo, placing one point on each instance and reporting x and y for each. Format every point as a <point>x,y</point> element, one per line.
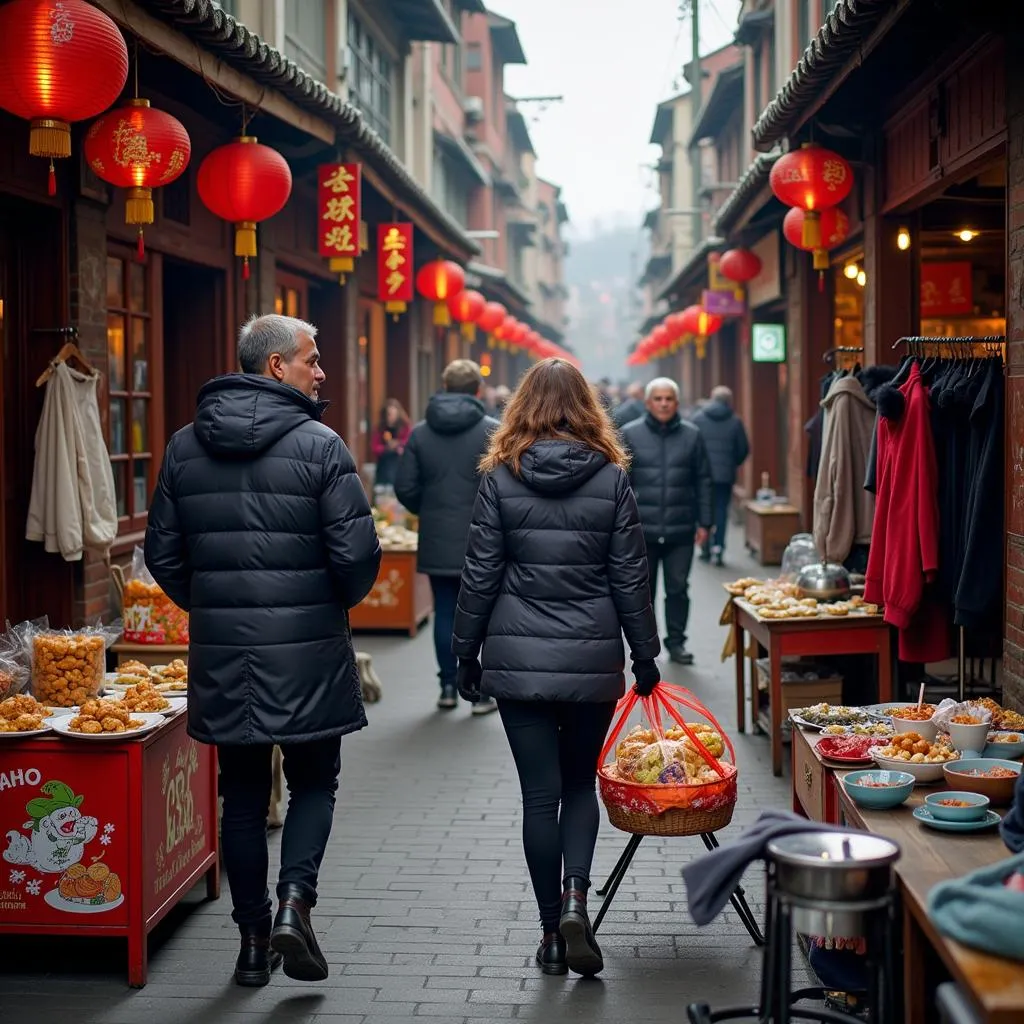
<point>613,63</point>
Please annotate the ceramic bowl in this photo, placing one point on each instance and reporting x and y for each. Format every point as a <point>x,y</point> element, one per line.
<point>978,805</point>
<point>900,786</point>
<point>999,791</point>
<point>970,739</point>
<point>930,772</point>
<point>926,730</point>
<point>1000,746</point>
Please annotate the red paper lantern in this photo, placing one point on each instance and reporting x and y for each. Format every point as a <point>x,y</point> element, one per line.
<point>739,265</point>
<point>660,338</point>
<point>438,281</point>
<point>491,319</point>
<point>59,62</point>
<point>834,227</point>
<point>811,179</point>
<point>244,182</point>
<point>466,307</point>
<point>699,323</point>
<point>138,148</point>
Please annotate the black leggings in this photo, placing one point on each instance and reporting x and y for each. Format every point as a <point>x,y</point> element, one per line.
<point>556,745</point>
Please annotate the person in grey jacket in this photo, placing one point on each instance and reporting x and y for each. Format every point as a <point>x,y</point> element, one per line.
<point>726,441</point>
<point>437,479</point>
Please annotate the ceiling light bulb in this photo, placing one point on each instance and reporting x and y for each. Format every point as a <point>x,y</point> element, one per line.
<point>850,270</point>
<point>967,235</point>
<point>862,278</point>
<point>903,239</point>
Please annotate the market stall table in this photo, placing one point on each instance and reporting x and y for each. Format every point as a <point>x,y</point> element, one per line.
<point>401,598</point>
<point>769,529</point>
<point>822,635</point>
<point>148,654</point>
<point>814,785</point>
<point>104,838</point>
<point>994,986</point>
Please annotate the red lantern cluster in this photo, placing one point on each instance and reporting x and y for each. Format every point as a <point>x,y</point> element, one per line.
<point>439,281</point>
<point>466,308</point>
<point>59,62</point>
<point>244,182</point>
<point>676,330</point>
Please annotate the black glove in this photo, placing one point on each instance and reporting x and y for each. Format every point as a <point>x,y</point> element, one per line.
<point>648,675</point>
<point>468,679</point>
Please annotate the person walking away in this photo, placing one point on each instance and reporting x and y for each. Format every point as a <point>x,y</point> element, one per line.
<point>555,573</point>
<point>671,478</point>
<point>728,448</point>
<point>261,530</point>
<point>437,479</point>
<point>389,440</point>
<point>632,407</point>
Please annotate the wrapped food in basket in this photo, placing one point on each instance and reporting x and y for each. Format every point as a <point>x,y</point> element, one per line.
<point>667,776</point>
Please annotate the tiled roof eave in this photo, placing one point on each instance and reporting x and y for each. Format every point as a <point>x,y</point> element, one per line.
<point>755,177</point>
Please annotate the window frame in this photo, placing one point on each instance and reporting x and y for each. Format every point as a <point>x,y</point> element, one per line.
<point>474,57</point>
<point>367,56</point>
<point>134,522</point>
<point>297,46</point>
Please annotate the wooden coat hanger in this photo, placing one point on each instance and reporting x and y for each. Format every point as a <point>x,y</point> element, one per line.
<point>69,352</point>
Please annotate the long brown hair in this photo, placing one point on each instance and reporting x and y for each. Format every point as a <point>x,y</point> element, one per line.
<point>553,402</point>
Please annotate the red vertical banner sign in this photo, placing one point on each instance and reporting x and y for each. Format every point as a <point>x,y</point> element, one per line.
<point>946,289</point>
<point>339,198</point>
<point>395,266</point>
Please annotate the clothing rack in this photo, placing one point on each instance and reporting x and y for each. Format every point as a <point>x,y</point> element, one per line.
<point>960,347</point>
<point>851,349</point>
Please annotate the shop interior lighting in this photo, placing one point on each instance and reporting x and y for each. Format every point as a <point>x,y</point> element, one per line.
<point>903,239</point>
<point>967,235</point>
<point>862,278</point>
<point>850,270</point>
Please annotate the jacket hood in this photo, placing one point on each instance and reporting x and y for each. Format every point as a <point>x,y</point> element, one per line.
<point>240,415</point>
<point>454,413</point>
<point>873,377</point>
<point>716,411</point>
<point>557,467</point>
<point>848,386</point>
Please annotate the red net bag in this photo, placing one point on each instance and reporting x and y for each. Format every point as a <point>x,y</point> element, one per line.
<point>669,780</point>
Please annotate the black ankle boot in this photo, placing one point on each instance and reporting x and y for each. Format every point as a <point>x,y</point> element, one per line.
<point>293,938</point>
<point>255,958</point>
<point>582,953</point>
<point>551,954</point>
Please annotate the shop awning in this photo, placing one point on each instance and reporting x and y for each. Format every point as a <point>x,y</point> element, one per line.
<point>506,39</point>
<point>751,186</point>
<point>827,61</point>
<point>460,152</point>
<point>725,99</point>
<point>693,274</point>
<point>425,21</point>
<point>333,122</point>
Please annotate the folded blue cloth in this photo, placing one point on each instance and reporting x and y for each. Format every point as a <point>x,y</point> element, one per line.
<point>711,879</point>
<point>980,911</point>
<point>1012,826</point>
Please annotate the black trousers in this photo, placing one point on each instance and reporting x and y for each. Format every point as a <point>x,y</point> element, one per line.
<point>555,745</point>
<point>311,771</point>
<point>676,561</point>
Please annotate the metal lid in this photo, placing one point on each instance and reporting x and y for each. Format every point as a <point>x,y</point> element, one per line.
<point>833,849</point>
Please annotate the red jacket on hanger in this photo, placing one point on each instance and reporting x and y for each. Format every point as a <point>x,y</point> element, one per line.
<point>904,554</point>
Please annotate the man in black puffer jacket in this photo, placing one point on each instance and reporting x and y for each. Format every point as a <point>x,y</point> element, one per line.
<point>438,477</point>
<point>671,478</point>
<point>261,530</point>
<point>728,448</point>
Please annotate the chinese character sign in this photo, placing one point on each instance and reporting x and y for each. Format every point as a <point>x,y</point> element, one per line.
<point>394,265</point>
<point>946,289</point>
<point>338,210</point>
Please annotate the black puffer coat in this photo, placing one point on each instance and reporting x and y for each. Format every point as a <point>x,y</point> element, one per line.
<point>556,571</point>
<point>725,439</point>
<point>261,530</point>
<point>438,478</point>
<point>671,478</point>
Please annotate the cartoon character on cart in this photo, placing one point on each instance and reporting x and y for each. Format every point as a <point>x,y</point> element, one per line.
<point>58,833</point>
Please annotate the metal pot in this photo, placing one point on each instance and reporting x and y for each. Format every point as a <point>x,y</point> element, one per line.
<point>835,867</point>
<point>825,581</point>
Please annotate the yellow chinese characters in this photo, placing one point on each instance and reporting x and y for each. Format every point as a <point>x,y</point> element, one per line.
<point>339,179</point>
<point>394,245</point>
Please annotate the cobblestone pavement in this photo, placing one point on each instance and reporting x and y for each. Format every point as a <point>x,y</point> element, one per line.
<point>425,906</point>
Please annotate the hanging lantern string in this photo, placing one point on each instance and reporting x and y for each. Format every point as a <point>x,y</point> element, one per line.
<point>136,55</point>
<point>226,100</point>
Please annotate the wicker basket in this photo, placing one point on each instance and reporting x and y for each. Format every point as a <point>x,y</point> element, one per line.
<point>677,821</point>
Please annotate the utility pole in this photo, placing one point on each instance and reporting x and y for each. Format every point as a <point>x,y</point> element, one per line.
<point>696,91</point>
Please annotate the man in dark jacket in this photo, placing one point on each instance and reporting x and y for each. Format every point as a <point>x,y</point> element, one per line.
<point>438,480</point>
<point>261,530</point>
<point>632,407</point>
<point>671,478</point>
<point>726,441</point>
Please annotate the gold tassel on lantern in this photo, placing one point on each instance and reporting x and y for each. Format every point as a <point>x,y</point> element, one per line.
<point>342,265</point>
<point>491,343</point>
<point>138,206</point>
<point>394,308</point>
<point>702,346</point>
<point>821,260</point>
<point>468,331</point>
<point>811,229</point>
<point>50,138</point>
<point>364,236</point>
<point>245,238</point>
<point>442,318</point>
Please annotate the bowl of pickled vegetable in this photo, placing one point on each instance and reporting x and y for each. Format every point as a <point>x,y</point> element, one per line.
<point>877,789</point>
<point>957,805</point>
<point>989,776</point>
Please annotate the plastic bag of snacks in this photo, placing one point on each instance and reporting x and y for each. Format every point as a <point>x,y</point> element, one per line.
<point>150,616</point>
<point>668,776</point>
<point>68,665</point>
<point>14,656</point>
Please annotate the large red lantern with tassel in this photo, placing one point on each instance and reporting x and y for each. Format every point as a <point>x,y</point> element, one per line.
<point>491,319</point>
<point>60,61</point>
<point>466,308</point>
<point>138,148</point>
<point>244,182</point>
<point>699,323</point>
<point>438,281</point>
<point>739,265</point>
<point>811,179</point>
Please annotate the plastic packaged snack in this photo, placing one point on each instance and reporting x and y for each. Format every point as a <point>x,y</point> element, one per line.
<point>150,616</point>
<point>68,665</point>
<point>14,656</point>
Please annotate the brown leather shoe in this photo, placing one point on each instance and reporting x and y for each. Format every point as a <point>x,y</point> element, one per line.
<point>293,938</point>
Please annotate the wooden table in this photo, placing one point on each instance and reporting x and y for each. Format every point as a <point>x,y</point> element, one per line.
<point>401,598</point>
<point>149,654</point>
<point>815,788</point>
<point>848,634</point>
<point>994,986</point>
<point>769,529</point>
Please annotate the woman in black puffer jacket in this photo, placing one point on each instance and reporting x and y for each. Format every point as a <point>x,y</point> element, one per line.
<point>555,572</point>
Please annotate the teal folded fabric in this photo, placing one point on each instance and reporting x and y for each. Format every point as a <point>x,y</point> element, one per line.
<point>980,911</point>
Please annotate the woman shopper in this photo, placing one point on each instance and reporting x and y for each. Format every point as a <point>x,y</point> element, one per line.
<point>389,441</point>
<point>555,572</point>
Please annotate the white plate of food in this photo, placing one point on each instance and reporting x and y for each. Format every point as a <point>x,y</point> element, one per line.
<point>9,729</point>
<point>120,681</point>
<point>76,726</point>
<point>171,706</point>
